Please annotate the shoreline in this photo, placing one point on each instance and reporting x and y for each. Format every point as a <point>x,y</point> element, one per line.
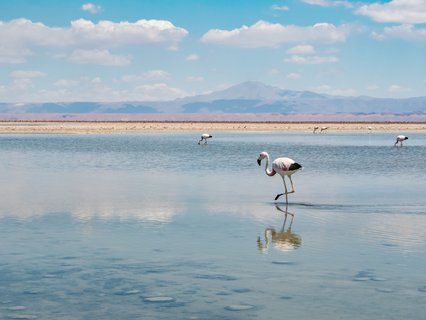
<point>110,127</point>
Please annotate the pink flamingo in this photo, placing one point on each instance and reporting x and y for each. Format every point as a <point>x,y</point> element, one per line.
<point>282,166</point>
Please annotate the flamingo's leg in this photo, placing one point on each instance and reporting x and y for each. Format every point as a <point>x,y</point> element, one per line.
<point>292,187</point>
<point>285,193</point>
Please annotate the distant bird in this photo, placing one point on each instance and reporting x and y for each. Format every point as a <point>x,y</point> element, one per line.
<point>399,139</point>
<point>204,137</point>
<point>323,129</point>
<point>315,129</point>
<point>282,166</point>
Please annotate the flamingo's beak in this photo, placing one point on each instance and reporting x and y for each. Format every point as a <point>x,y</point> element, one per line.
<point>258,161</point>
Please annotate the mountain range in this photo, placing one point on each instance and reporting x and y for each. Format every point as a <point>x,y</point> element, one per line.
<point>246,98</point>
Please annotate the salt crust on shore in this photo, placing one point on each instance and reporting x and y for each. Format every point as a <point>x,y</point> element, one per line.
<point>7,127</point>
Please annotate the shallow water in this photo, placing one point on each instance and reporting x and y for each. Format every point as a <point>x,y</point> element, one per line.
<point>154,226</point>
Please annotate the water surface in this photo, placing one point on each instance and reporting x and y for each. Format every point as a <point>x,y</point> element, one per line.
<point>154,226</point>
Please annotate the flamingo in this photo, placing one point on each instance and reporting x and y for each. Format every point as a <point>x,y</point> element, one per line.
<point>323,129</point>
<point>315,129</point>
<point>204,137</point>
<point>282,166</point>
<point>399,139</point>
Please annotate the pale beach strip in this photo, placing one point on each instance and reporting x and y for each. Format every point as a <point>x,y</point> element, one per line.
<point>119,127</point>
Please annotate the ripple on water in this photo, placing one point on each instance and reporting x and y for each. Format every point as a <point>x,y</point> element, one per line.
<point>21,316</point>
<point>361,278</point>
<point>239,307</point>
<point>378,279</point>
<point>422,289</point>
<point>127,292</point>
<point>16,308</point>
<point>159,299</point>
<point>223,277</point>
<point>287,263</point>
<point>384,290</point>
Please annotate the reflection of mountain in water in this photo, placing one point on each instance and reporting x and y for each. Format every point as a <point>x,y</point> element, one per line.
<point>283,239</point>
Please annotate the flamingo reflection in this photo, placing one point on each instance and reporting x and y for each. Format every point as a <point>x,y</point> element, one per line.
<point>283,239</point>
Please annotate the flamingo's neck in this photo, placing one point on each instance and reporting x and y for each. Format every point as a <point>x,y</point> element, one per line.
<point>267,171</point>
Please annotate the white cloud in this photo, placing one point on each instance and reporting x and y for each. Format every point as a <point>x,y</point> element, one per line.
<point>98,56</point>
<point>87,89</point>
<point>154,92</point>
<point>311,59</point>
<point>192,57</point>
<point>279,8</point>
<point>90,7</point>
<point>396,88</point>
<point>302,49</point>
<point>294,76</point>
<point>195,78</point>
<point>27,74</point>
<point>398,11</point>
<point>405,31</point>
<point>329,3</point>
<point>372,87</point>
<point>326,89</point>
<point>148,75</point>
<point>265,34</point>
<point>19,36</point>
<point>13,54</point>
<point>65,83</point>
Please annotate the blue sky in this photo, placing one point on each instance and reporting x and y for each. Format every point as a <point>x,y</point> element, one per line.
<point>131,50</point>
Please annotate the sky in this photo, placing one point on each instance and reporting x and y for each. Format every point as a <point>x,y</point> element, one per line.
<point>156,50</point>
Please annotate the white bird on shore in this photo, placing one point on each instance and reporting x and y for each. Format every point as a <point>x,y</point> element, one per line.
<point>399,139</point>
<point>323,129</point>
<point>204,137</point>
<point>282,166</point>
<point>315,129</point>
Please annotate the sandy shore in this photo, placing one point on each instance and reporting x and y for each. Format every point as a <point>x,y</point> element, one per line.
<point>7,127</point>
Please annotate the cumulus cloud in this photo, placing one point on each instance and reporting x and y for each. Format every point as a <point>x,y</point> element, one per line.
<point>326,89</point>
<point>329,3</point>
<point>20,36</point>
<point>265,34</point>
<point>87,89</point>
<point>294,76</point>
<point>311,59</point>
<point>279,8</point>
<point>26,74</point>
<point>90,7</point>
<point>396,88</point>
<point>65,83</point>
<point>195,78</point>
<point>155,92</point>
<point>100,57</point>
<point>192,57</point>
<point>148,75</point>
<point>405,31</point>
<point>302,49</point>
<point>13,55</point>
<point>398,11</point>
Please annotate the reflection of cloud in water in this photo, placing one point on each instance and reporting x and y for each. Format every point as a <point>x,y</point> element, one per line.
<point>89,196</point>
<point>404,230</point>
